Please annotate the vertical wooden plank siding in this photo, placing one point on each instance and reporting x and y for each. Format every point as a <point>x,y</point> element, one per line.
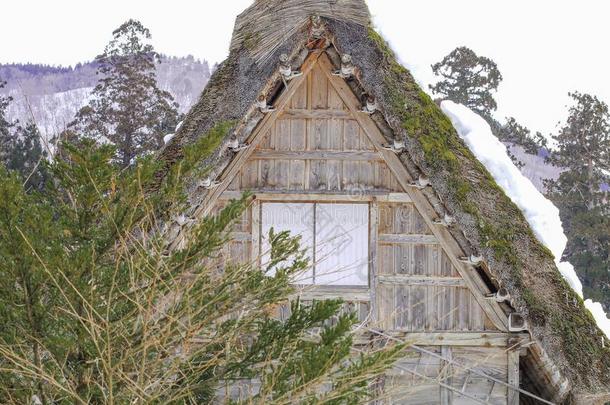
<point>492,309</point>
<point>446,376</point>
<point>316,143</point>
<point>513,376</point>
<point>303,131</point>
<point>412,251</point>
<point>435,305</point>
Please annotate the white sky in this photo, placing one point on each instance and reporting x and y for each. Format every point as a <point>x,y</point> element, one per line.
<point>543,48</point>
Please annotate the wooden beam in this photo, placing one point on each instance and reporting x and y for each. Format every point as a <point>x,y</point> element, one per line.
<point>317,292</point>
<point>444,338</point>
<point>546,373</point>
<point>408,238</point>
<point>513,376</point>
<point>422,280</point>
<point>317,155</point>
<point>397,198</point>
<point>472,279</point>
<point>446,376</point>
<point>241,236</point>
<point>300,195</point>
<point>256,232</point>
<point>315,114</point>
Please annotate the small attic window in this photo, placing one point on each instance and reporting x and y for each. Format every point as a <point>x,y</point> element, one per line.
<point>335,236</point>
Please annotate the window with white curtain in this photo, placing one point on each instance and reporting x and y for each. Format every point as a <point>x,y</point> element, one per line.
<point>335,236</point>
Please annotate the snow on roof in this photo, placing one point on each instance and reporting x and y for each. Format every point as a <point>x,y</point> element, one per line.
<point>541,214</point>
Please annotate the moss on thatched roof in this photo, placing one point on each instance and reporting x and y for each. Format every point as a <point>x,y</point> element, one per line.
<point>494,224</point>
<point>487,221</point>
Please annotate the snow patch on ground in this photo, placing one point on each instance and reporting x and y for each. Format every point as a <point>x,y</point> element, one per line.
<point>541,214</point>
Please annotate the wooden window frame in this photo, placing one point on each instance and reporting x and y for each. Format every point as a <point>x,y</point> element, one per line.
<point>324,291</point>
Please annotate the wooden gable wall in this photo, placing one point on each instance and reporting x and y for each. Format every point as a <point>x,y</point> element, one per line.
<point>316,149</point>
<point>315,145</point>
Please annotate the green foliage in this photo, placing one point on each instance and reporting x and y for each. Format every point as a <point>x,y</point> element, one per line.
<point>21,149</point>
<point>5,126</point>
<point>516,133</point>
<point>127,108</point>
<point>27,156</point>
<point>418,114</point>
<point>584,141</point>
<point>471,80</point>
<point>468,79</point>
<point>98,306</point>
<point>584,149</point>
<point>513,133</point>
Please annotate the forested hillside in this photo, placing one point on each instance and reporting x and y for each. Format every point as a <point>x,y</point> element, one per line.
<point>52,95</point>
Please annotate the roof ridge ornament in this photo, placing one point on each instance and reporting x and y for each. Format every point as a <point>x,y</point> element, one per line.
<point>235,146</point>
<point>261,104</point>
<point>370,105</point>
<point>348,69</point>
<point>516,322</point>
<point>421,182</point>
<point>317,28</point>
<point>501,295</point>
<point>447,220</point>
<point>472,259</point>
<point>396,146</point>
<point>286,69</point>
<point>209,183</point>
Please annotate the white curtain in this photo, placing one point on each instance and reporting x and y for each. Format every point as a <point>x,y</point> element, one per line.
<point>296,218</point>
<point>340,233</point>
<point>342,244</point>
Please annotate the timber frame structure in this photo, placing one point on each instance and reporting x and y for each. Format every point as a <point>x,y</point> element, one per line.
<point>452,264</point>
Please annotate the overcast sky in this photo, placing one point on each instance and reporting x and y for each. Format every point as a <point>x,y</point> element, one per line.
<point>543,48</point>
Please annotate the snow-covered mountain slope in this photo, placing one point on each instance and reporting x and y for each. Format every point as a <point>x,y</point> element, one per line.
<point>51,96</point>
<point>535,169</point>
<point>51,112</point>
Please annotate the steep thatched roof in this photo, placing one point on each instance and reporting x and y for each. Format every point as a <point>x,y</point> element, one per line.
<point>488,223</point>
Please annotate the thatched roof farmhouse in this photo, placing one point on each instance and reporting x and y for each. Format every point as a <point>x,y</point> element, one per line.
<point>318,115</point>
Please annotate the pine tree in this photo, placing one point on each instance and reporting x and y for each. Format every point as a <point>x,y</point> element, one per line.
<point>468,79</point>
<point>27,156</point>
<point>471,80</point>
<point>5,127</point>
<point>96,308</point>
<point>127,108</point>
<point>583,148</point>
<point>21,148</point>
<point>512,131</point>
